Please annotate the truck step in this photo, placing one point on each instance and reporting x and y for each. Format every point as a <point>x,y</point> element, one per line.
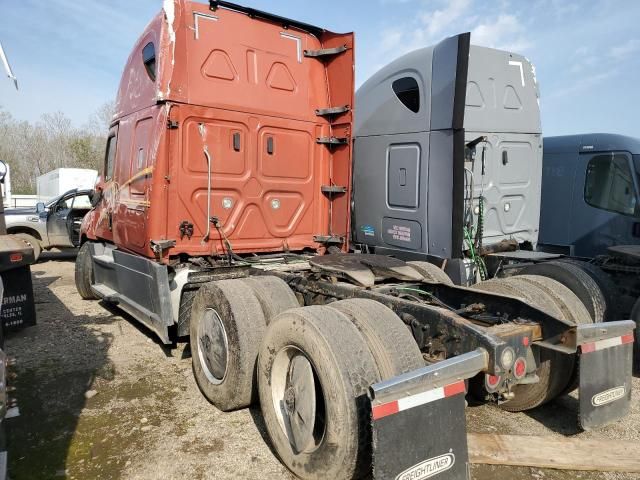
<point>105,292</point>
<point>105,260</point>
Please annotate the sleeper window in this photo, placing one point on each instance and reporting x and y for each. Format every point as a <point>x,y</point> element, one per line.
<point>408,92</point>
<point>609,184</point>
<point>149,60</point>
<point>110,158</point>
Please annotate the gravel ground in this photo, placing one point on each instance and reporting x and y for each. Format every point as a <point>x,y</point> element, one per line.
<point>100,398</point>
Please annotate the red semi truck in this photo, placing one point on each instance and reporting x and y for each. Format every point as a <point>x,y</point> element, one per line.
<point>223,214</point>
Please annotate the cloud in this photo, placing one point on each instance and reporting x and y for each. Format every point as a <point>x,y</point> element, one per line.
<point>68,55</point>
<point>430,25</point>
<point>439,20</point>
<point>390,40</point>
<point>505,33</point>
<point>562,8</point>
<point>582,83</point>
<point>621,52</point>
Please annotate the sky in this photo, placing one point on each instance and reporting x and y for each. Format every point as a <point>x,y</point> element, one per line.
<point>68,54</point>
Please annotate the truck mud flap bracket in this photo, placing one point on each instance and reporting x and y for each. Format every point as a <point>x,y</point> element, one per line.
<point>418,421</point>
<point>606,354</point>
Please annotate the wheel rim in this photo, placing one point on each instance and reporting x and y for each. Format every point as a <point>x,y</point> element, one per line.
<point>298,400</point>
<point>213,346</point>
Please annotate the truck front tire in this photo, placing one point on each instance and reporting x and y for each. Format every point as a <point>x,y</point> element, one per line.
<point>226,328</point>
<point>314,372</point>
<point>84,273</point>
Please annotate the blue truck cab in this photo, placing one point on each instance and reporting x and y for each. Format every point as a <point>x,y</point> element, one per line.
<point>590,193</point>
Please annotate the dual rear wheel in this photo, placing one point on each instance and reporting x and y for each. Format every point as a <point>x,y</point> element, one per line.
<point>311,366</point>
<point>228,322</point>
<point>557,373</point>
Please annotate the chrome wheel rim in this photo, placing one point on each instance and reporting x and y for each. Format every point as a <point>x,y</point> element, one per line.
<point>213,346</point>
<point>298,400</point>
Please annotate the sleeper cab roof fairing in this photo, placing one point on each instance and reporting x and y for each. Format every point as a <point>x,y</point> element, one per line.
<point>440,72</point>
<point>591,142</point>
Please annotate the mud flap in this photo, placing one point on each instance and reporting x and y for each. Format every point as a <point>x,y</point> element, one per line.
<point>418,421</point>
<point>606,355</point>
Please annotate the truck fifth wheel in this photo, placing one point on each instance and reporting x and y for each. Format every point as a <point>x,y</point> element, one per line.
<point>223,214</point>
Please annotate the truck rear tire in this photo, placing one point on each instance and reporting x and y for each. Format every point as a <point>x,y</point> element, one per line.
<point>273,293</point>
<point>570,305</point>
<point>555,369</point>
<point>393,347</point>
<point>604,281</point>
<point>226,328</point>
<point>84,273</point>
<point>431,272</point>
<point>576,280</point>
<point>314,371</point>
<point>567,301</point>
<point>33,243</point>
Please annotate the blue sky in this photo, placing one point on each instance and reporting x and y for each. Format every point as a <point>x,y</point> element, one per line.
<point>68,54</point>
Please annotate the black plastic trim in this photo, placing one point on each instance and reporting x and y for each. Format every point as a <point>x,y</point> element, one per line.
<point>459,102</point>
<point>462,70</point>
<point>253,13</point>
<point>457,202</point>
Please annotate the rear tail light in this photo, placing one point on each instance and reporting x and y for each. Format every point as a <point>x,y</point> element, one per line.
<point>520,368</point>
<point>15,257</point>
<point>492,382</point>
<point>507,357</point>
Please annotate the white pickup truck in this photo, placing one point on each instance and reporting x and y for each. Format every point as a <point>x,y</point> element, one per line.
<point>52,224</point>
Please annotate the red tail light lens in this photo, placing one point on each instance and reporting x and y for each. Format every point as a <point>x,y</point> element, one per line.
<point>492,382</point>
<point>520,368</point>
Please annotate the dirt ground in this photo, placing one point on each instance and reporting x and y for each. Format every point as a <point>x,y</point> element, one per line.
<point>100,398</point>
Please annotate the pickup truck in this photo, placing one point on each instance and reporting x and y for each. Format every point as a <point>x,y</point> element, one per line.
<point>52,224</point>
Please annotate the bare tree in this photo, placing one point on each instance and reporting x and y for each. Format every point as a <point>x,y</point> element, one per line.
<point>32,149</point>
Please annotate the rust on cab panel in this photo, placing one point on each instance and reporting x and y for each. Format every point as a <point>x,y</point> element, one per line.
<point>221,130</point>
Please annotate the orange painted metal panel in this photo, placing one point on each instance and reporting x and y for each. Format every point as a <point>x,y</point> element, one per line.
<point>240,92</point>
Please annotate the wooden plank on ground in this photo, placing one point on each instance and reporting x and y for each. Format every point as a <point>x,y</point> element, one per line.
<point>564,453</point>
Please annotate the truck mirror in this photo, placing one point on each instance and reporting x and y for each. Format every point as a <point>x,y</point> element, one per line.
<point>3,171</point>
<point>40,207</point>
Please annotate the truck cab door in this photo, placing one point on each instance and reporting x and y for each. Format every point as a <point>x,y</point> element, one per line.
<point>607,203</point>
<point>57,222</point>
